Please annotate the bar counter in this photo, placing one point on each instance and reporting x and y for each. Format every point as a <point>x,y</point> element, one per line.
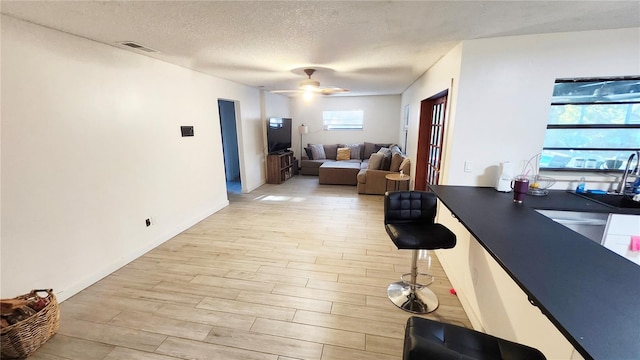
<point>589,293</point>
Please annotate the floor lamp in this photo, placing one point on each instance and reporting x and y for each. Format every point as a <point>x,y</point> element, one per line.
<point>302,129</point>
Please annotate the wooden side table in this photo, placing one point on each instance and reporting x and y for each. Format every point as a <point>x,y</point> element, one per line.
<point>397,179</point>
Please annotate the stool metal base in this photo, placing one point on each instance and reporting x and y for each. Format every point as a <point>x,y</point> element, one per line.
<point>421,300</point>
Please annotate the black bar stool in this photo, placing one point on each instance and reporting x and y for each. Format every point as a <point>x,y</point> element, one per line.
<point>409,220</point>
<point>428,339</point>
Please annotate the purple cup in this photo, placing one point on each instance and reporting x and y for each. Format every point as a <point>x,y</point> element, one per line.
<point>520,187</point>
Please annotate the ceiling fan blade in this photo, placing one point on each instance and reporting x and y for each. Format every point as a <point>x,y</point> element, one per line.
<point>284,91</point>
<point>332,90</point>
<point>310,85</point>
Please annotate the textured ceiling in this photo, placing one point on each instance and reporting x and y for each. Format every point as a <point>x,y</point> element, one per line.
<point>369,47</point>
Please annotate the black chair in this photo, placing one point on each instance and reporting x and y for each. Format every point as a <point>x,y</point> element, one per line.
<point>409,220</point>
<point>428,339</point>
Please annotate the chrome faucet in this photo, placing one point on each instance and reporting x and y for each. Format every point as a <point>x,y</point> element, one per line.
<point>636,172</point>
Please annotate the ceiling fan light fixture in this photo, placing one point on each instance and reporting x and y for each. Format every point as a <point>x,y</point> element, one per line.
<point>308,87</point>
<point>307,95</point>
<point>309,84</point>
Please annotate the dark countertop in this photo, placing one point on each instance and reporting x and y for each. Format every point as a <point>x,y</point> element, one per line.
<point>589,293</point>
<point>565,200</point>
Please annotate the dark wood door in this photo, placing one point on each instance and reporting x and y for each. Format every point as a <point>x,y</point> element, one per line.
<point>430,141</point>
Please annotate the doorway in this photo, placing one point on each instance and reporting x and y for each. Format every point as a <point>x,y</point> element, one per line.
<point>430,140</point>
<point>229,130</point>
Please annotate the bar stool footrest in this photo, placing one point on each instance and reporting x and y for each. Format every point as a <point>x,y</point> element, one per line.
<point>418,285</point>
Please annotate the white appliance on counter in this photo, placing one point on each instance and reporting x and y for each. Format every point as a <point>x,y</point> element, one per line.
<point>505,175</point>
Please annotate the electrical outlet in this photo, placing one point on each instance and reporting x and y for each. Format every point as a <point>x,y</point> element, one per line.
<point>148,222</point>
<point>467,166</point>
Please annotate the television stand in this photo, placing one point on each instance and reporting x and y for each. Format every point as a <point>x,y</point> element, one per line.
<point>280,167</point>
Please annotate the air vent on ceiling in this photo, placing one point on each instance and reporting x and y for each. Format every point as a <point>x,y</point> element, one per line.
<point>133,45</point>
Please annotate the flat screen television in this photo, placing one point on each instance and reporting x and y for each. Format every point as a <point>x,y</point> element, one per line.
<point>278,134</point>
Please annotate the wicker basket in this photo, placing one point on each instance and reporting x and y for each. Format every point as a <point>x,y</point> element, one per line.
<point>25,337</point>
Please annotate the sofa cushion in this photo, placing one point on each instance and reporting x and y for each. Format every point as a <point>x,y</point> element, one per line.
<point>355,151</point>
<point>369,148</point>
<point>309,154</point>
<point>314,163</point>
<point>384,151</point>
<point>344,153</point>
<point>396,159</point>
<point>380,146</point>
<point>375,161</point>
<point>331,151</point>
<point>386,161</point>
<point>310,167</point>
<point>317,152</point>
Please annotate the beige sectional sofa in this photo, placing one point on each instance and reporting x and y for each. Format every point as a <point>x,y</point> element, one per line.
<point>364,165</point>
<point>372,181</point>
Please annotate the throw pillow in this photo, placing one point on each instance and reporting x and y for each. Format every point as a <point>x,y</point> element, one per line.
<point>343,154</point>
<point>331,151</point>
<point>308,151</point>
<point>317,152</point>
<point>369,148</point>
<point>377,147</point>
<point>355,151</point>
<point>375,160</point>
<point>386,161</point>
<point>396,160</point>
<point>384,151</point>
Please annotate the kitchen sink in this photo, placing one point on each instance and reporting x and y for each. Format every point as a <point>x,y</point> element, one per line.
<point>611,200</point>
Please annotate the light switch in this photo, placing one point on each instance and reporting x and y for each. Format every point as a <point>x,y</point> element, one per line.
<point>186,130</point>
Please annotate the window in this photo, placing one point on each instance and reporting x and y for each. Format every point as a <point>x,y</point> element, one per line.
<point>594,124</point>
<point>405,128</point>
<point>343,120</point>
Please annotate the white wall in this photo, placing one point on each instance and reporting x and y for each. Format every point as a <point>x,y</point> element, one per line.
<point>506,86</point>
<point>444,75</point>
<point>382,117</point>
<point>501,91</point>
<point>91,147</point>
<point>276,106</point>
<point>499,95</point>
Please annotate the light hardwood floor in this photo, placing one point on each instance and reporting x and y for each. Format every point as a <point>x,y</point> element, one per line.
<point>291,271</point>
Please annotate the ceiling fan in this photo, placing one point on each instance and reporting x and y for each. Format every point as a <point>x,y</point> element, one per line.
<point>310,85</point>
